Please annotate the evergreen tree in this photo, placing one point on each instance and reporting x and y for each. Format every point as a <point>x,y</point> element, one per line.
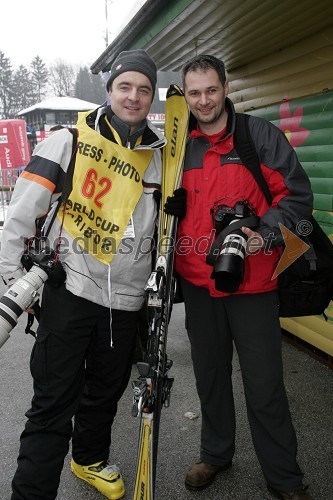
<point>99,86</point>
<point>83,85</point>
<point>89,87</point>
<point>23,95</point>
<point>6,86</point>
<point>39,78</point>
<point>24,87</point>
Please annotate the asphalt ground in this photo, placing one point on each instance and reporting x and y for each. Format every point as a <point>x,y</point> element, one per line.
<point>310,390</point>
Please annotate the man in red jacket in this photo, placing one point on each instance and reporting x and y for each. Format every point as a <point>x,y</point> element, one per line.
<point>238,306</point>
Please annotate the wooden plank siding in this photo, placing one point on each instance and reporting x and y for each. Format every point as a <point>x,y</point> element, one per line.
<point>308,124</point>
<point>294,90</point>
<point>303,69</point>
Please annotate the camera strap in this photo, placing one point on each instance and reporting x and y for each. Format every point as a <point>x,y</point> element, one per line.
<point>31,319</point>
<point>68,182</point>
<point>252,221</point>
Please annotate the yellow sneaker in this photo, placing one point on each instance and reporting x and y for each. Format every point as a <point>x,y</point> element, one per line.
<point>104,477</point>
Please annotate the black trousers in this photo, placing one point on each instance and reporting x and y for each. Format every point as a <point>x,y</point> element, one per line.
<point>75,372</point>
<point>252,323</point>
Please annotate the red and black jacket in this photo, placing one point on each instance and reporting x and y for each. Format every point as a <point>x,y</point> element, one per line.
<point>213,172</point>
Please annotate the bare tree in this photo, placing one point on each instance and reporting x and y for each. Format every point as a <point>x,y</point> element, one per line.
<point>62,78</point>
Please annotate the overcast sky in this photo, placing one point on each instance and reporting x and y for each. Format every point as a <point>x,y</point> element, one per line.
<point>72,30</point>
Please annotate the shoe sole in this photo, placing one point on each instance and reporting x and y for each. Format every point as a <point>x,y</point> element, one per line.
<point>275,493</point>
<point>91,484</point>
<point>202,486</point>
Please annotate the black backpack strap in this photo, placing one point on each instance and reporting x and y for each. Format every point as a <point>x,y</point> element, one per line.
<point>245,148</point>
<point>68,183</point>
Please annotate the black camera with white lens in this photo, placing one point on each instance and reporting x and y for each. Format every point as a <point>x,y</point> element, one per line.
<point>228,251</point>
<point>43,265</point>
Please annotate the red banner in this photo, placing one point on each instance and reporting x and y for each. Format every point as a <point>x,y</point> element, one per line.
<point>14,145</point>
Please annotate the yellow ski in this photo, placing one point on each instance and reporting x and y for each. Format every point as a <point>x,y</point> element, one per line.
<point>144,472</point>
<point>153,386</point>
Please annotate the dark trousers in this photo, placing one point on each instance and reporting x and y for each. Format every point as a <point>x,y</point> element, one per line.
<point>252,323</point>
<point>75,372</point>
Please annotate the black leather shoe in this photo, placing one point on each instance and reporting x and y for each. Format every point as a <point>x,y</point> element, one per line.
<point>200,475</point>
<point>291,495</point>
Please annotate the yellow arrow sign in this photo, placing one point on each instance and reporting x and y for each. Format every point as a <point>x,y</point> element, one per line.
<point>294,248</point>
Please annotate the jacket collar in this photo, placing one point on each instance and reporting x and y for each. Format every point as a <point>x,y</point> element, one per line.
<point>151,136</point>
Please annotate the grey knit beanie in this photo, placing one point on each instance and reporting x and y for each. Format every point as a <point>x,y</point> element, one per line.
<point>134,60</point>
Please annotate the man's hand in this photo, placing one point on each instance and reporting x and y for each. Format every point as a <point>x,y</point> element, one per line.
<point>176,204</point>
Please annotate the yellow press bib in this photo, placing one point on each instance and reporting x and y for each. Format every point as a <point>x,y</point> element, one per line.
<point>107,185</point>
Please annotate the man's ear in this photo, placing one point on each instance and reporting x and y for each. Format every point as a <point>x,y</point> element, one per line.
<point>226,88</point>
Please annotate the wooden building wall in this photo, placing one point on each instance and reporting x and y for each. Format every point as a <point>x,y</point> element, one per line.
<point>303,69</point>
<point>294,89</point>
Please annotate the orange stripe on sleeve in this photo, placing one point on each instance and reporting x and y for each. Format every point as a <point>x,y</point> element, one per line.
<point>39,179</point>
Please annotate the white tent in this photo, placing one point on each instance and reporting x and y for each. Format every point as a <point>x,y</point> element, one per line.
<point>60,103</point>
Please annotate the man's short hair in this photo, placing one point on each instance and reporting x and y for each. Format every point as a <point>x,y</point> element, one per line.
<point>204,62</point>
<point>56,127</point>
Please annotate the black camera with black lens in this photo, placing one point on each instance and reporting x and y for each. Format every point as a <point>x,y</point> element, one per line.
<point>224,215</point>
<point>42,266</point>
<point>227,253</point>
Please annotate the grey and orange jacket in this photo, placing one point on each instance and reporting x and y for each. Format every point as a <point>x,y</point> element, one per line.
<point>214,174</point>
<point>38,189</point>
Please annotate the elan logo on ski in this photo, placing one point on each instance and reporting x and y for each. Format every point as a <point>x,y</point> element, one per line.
<point>174,137</point>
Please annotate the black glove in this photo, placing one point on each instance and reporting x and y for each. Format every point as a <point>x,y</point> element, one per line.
<point>157,195</point>
<point>176,204</point>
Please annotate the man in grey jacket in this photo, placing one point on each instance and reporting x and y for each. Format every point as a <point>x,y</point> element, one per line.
<point>81,359</point>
